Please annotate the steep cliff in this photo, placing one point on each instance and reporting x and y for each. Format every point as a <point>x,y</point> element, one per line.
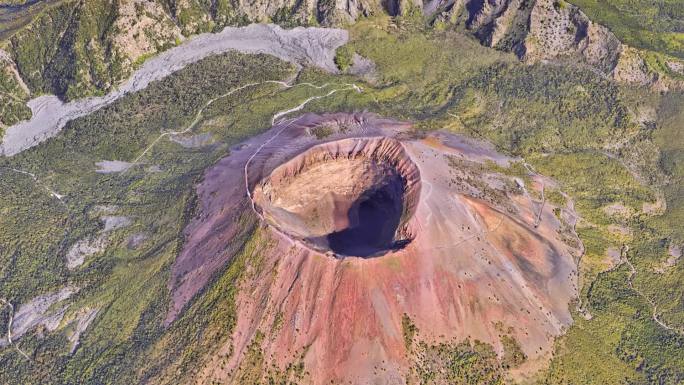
<point>547,30</point>
<point>79,48</point>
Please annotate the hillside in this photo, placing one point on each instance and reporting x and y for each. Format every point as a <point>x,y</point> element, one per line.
<point>454,192</point>
<point>80,48</point>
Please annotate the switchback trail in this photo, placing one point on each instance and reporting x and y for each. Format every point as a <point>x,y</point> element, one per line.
<point>199,113</point>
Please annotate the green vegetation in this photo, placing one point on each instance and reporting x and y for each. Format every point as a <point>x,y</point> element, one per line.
<point>613,183</point>
<point>463,363</point>
<point>253,369</point>
<point>13,98</point>
<point>344,58</point>
<point>69,54</point>
<point>67,163</point>
<point>651,25</point>
<point>669,137</point>
<point>69,48</point>
<point>14,18</point>
<point>513,354</point>
<point>568,122</point>
<point>321,132</point>
<point>129,286</point>
<point>409,331</point>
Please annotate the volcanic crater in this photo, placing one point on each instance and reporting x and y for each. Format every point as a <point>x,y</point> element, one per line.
<point>465,250</point>
<point>351,197</point>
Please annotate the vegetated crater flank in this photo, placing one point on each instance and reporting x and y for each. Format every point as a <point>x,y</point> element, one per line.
<point>351,197</point>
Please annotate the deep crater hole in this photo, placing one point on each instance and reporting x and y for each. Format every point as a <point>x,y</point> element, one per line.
<point>348,198</point>
<point>374,219</point>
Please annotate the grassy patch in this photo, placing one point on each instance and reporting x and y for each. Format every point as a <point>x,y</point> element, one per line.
<point>344,58</point>
<point>462,363</point>
<point>409,331</point>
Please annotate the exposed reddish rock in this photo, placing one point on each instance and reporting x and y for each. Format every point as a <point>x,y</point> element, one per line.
<point>223,218</point>
<point>294,199</point>
<point>483,252</point>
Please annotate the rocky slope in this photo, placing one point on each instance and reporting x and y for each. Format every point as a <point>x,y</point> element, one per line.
<point>78,48</point>
<point>293,198</point>
<point>547,30</point>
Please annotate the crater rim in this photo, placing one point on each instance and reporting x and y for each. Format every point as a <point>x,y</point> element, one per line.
<point>353,197</point>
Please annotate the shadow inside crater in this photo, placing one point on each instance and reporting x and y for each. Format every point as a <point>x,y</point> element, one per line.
<point>374,219</point>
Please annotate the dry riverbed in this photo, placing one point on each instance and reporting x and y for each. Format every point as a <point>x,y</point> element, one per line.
<point>301,46</point>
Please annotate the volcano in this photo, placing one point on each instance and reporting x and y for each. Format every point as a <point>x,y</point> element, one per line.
<point>373,225</point>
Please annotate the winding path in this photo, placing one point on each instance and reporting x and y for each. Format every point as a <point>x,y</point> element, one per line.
<point>198,116</point>
<point>9,328</point>
<point>52,192</point>
<point>285,85</point>
<point>630,280</point>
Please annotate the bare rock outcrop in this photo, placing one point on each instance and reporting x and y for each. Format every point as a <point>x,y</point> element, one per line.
<point>631,68</point>
<point>145,28</point>
<point>543,30</point>
<point>40,311</point>
<point>549,30</point>
<point>83,318</point>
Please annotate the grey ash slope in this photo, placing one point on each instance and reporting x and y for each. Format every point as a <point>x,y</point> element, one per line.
<point>301,46</point>
<point>82,49</point>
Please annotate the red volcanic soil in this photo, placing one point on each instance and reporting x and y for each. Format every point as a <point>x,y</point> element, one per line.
<point>455,247</point>
<point>223,202</point>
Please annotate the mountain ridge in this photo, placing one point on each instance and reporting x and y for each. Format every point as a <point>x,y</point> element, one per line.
<point>83,48</point>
